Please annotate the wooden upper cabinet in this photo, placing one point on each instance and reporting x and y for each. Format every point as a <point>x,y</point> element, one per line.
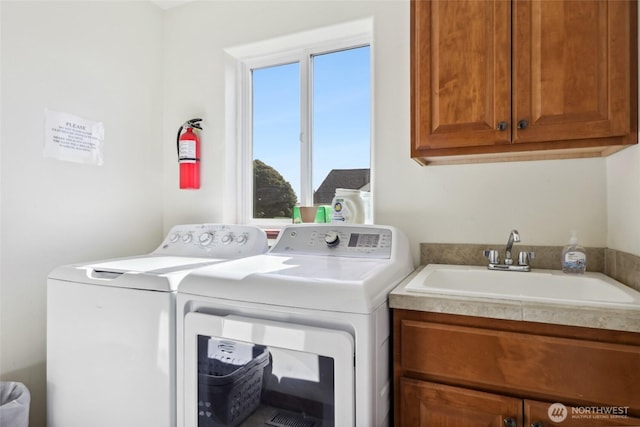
<point>571,70</point>
<point>462,73</point>
<point>501,80</point>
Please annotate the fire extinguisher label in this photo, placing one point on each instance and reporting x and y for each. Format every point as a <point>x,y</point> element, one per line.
<point>187,151</point>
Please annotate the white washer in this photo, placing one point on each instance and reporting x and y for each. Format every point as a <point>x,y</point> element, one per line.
<point>111,328</point>
<point>316,305</point>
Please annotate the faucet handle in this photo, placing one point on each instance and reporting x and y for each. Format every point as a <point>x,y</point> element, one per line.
<point>492,254</point>
<point>525,257</point>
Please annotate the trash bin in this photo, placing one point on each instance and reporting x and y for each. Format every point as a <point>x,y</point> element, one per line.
<point>14,404</point>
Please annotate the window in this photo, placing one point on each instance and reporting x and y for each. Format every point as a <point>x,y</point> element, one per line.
<point>305,120</point>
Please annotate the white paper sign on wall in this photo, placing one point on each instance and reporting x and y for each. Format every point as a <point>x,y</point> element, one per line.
<point>72,138</point>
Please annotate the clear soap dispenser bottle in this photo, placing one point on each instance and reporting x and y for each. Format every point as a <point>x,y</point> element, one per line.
<point>574,257</point>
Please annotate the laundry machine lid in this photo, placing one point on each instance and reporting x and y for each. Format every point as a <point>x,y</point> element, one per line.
<point>185,248</point>
<point>304,271</point>
<point>150,264</point>
<point>353,286</point>
<point>156,273</point>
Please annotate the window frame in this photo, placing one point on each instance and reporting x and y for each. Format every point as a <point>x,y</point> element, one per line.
<point>300,48</point>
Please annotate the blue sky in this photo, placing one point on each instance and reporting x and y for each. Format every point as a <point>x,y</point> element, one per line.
<point>341,115</point>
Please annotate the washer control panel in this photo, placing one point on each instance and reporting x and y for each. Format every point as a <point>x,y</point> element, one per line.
<point>335,240</point>
<point>214,241</point>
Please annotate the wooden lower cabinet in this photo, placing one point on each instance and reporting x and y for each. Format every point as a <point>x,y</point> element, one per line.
<point>427,404</point>
<point>464,371</point>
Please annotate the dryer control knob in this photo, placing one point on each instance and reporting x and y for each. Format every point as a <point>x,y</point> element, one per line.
<point>205,238</point>
<point>187,238</point>
<point>227,238</point>
<point>174,237</point>
<point>332,239</point>
<point>241,240</point>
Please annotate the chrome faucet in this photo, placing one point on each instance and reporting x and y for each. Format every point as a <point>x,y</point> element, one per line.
<point>523,257</point>
<point>513,237</point>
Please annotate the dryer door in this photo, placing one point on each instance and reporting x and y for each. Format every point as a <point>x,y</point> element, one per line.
<point>246,371</point>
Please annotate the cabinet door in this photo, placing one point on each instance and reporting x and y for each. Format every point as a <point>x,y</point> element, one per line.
<point>460,74</point>
<point>571,77</point>
<point>430,404</point>
<point>544,414</point>
<point>522,363</point>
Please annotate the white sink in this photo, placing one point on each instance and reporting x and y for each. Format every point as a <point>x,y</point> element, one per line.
<point>553,286</point>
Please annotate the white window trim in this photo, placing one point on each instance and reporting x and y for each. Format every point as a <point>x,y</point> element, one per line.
<point>240,61</point>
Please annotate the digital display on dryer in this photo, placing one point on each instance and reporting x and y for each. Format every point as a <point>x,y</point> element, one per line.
<point>359,240</point>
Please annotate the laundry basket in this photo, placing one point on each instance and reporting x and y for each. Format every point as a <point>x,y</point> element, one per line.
<point>229,380</point>
<point>14,404</point>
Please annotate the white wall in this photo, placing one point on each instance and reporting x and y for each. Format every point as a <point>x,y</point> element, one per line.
<point>468,203</point>
<point>143,72</point>
<point>102,61</point>
<point>623,200</point>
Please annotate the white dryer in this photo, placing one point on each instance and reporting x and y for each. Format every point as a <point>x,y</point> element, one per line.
<point>295,336</point>
<point>111,328</point>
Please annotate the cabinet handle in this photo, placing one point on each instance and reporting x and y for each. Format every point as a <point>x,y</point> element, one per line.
<point>502,126</point>
<point>523,124</point>
<point>510,422</point>
<point>537,424</point>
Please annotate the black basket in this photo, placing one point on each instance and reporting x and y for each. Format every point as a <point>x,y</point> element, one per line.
<point>229,387</point>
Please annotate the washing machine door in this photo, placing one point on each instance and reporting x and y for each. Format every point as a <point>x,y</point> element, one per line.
<point>246,371</point>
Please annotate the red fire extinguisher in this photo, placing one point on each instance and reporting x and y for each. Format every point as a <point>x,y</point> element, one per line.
<point>189,154</point>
